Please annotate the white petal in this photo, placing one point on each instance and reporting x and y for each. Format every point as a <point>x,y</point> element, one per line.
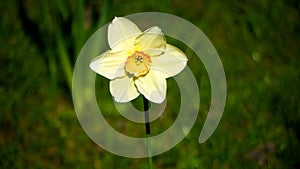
<point>151,42</point>
<point>153,86</point>
<point>171,62</point>
<point>110,64</point>
<point>123,89</point>
<point>122,29</point>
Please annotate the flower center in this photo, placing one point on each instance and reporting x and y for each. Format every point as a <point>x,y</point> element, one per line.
<point>138,64</point>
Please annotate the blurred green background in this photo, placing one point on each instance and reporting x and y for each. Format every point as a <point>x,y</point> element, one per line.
<point>258,42</point>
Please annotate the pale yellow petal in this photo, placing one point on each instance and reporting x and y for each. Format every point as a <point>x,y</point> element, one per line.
<point>125,45</point>
<point>171,62</point>
<point>151,42</point>
<point>153,86</point>
<point>121,33</point>
<point>123,89</point>
<point>110,64</point>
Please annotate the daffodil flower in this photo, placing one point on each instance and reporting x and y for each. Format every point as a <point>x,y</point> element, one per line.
<point>138,62</point>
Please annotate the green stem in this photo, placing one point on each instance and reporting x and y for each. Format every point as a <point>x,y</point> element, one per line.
<point>149,151</point>
<point>148,131</point>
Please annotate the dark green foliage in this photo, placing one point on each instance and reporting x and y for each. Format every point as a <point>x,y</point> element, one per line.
<point>258,43</point>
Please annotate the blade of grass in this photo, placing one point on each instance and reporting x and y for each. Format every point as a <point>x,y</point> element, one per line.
<point>62,8</point>
<point>65,60</point>
<point>107,4</point>
<point>78,32</point>
<point>49,29</point>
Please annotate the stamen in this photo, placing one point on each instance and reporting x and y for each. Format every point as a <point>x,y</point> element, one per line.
<point>138,59</point>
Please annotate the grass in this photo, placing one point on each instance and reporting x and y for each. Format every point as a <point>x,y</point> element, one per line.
<point>257,42</point>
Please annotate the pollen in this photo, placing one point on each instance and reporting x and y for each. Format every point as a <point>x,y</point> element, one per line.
<point>138,64</point>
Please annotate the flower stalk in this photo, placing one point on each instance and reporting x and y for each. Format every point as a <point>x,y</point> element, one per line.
<point>148,131</point>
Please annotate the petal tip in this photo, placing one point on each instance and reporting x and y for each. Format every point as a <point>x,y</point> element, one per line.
<point>115,19</point>
<point>157,100</point>
<point>94,65</point>
<point>156,96</point>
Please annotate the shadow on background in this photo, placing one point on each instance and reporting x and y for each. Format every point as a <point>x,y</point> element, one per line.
<point>258,43</point>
